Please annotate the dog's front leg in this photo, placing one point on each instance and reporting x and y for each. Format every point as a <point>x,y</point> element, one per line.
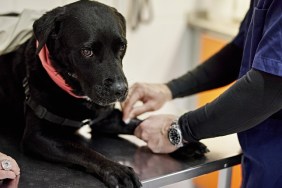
<point>61,146</point>
<point>113,124</point>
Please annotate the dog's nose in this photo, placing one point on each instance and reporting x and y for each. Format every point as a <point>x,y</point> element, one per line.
<point>117,88</point>
<point>120,90</point>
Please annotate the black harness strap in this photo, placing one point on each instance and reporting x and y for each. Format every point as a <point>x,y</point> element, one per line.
<point>42,113</point>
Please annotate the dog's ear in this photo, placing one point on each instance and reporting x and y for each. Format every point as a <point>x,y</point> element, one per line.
<point>46,25</point>
<point>121,21</point>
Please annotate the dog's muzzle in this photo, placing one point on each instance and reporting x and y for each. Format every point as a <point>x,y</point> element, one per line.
<point>110,92</point>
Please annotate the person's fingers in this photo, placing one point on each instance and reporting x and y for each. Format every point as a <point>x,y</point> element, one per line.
<point>138,110</point>
<point>15,166</point>
<point>138,131</point>
<point>153,147</point>
<point>14,183</point>
<point>142,131</point>
<point>134,96</point>
<point>144,136</point>
<point>6,174</point>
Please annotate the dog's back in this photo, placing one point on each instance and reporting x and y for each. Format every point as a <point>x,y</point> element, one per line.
<point>12,71</point>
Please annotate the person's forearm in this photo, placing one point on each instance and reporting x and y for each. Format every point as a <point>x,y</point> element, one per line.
<point>219,70</point>
<point>249,101</point>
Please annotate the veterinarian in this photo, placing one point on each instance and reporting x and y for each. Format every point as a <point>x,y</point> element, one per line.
<point>251,107</point>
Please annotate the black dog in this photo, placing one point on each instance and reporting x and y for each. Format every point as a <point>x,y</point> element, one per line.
<point>68,75</point>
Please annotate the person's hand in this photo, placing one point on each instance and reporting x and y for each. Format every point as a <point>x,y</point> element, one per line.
<point>10,183</point>
<point>153,97</point>
<point>13,172</point>
<point>154,131</point>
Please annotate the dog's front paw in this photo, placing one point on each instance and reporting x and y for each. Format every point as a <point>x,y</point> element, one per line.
<point>191,150</point>
<point>119,176</point>
<point>113,124</point>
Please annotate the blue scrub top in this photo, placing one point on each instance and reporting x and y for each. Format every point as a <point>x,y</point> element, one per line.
<point>260,36</point>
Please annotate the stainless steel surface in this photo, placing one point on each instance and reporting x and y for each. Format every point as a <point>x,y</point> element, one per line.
<point>159,170</point>
<point>154,170</point>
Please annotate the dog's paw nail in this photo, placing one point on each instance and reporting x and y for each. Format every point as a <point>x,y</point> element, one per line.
<point>127,121</point>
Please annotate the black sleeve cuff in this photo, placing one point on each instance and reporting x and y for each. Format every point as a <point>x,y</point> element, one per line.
<point>185,129</point>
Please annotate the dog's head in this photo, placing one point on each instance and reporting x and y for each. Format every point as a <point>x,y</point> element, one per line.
<point>86,41</point>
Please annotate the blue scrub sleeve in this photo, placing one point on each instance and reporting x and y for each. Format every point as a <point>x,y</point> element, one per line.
<point>268,57</point>
<point>252,99</point>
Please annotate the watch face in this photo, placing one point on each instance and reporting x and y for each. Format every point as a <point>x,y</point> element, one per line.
<point>174,136</point>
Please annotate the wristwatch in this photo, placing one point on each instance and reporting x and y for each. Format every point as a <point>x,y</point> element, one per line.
<point>175,134</point>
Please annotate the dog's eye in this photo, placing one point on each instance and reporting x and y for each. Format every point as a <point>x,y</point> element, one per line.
<point>122,47</point>
<point>87,52</point>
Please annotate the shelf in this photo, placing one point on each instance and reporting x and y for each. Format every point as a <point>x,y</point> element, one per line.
<point>200,20</point>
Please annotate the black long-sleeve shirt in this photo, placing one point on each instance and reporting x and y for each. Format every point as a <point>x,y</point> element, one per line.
<point>250,100</point>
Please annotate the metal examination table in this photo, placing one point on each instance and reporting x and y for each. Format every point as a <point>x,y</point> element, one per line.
<point>154,170</point>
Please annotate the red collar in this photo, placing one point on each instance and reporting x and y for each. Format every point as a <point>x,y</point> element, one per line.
<point>55,76</point>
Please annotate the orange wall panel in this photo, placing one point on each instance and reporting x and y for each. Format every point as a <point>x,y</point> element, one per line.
<point>210,45</point>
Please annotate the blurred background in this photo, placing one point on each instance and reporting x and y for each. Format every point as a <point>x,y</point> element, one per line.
<point>166,38</point>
